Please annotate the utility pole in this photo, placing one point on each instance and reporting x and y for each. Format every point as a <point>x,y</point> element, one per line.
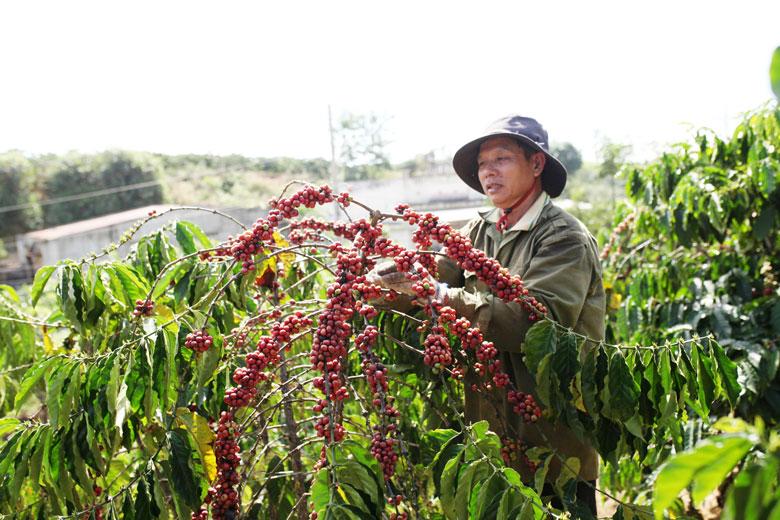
<point>334,174</point>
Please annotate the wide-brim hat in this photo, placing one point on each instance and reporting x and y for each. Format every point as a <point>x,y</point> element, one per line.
<point>524,129</point>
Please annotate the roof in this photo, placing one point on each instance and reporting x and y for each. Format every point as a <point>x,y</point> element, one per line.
<point>93,224</point>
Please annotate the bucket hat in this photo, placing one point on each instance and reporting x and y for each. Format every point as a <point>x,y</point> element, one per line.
<point>524,129</point>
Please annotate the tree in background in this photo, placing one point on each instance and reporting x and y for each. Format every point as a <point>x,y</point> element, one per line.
<point>422,164</point>
<point>16,178</point>
<point>362,145</point>
<point>568,155</point>
<point>130,180</point>
<point>613,157</point>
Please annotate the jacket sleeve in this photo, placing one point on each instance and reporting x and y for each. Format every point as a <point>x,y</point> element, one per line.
<point>559,275</point>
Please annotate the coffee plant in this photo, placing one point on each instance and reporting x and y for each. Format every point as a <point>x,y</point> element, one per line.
<point>269,376</point>
<point>696,253</point>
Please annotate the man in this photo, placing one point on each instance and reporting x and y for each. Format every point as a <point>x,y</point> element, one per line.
<point>551,251</point>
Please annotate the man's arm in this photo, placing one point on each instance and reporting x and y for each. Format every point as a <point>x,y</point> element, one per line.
<point>559,276</point>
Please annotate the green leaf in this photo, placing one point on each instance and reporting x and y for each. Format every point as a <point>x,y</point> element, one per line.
<point>70,294</point>
<point>358,476</point>
<point>532,508</point>
<point>565,362</point>
<point>8,424</point>
<point>133,286</point>
<point>471,475</point>
<point>433,442</point>
<point>488,498</point>
<point>765,221</point>
<point>774,72</point>
<point>542,468</point>
<point>751,494</point>
<point>350,496</point>
<point>448,451</point>
<point>185,234</point>
<point>512,477</point>
<point>665,369</point>
<point>623,390</point>
<point>566,483</point>
<point>320,491</point>
<point>589,383</point>
<point>170,275</point>
<point>67,401</point>
<point>480,430</point>
<point>145,504</point>
<point>54,384</point>
<point>706,377</point>
<point>32,376</point>
<point>11,293</point>
<point>449,481</point>
<point>128,510</point>
<point>727,370</point>
<point>203,437</point>
<point>539,341</point>
<point>732,425</point>
<point>182,476</point>
<point>37,457</point>
<point>775,317</point>
<point>511,499</point>
<point>39,282</point>
<point>72,454</point>
<point>486,442</point>
<point>546,384</point>
<point>704,468</point>
<point>22,461</point>
<point>185,239</point>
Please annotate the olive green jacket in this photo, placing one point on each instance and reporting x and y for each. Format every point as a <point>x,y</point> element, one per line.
<point>558,260</point>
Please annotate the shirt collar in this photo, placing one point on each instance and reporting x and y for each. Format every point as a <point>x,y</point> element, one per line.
<point>527,221</point>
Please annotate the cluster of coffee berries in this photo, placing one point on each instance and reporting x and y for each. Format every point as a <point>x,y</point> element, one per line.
<point>239,338</point>
<point>437,353</point>
<point>510,450</point>
<point>313,228</point>
<point>513,451</point>
<point>329,346</point>
<point>330,434</point>
<point>376,374</point>
<point>97,511</point>
<point>309,196</point>
<point>346,298</point>
<point>200,514</point>
<point>405,261</point>
<point>524,405</point>
<point>223,496</point>
<point>143,308</point>
<point>266,353</point>
<point>395,500</point>
<point>460,249</point>
<point>199,341</point>
<point>383,451</point>
<point>470,337</point>
<point>383,441</point>
<point>619,230</point>
<point>251,242</point>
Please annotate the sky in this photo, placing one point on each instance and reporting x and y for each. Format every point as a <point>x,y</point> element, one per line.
<point>257,78</point>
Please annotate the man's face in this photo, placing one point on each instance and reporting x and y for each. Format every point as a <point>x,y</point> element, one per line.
<point>504,172</point>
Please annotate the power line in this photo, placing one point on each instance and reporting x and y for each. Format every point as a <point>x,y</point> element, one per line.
<point>109,191</point>
<point>80,196</point>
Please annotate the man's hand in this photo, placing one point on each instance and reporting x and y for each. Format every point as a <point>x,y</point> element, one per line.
<point>387,275</point>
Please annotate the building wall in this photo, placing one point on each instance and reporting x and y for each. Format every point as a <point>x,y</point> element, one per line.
<point>42,249</point>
